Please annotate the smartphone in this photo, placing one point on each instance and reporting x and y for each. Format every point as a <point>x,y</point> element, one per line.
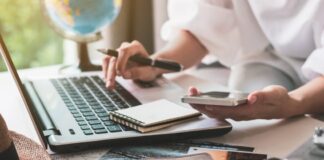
<point>217,98</point>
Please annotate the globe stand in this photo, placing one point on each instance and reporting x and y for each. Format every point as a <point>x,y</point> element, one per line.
<point>84,63</point>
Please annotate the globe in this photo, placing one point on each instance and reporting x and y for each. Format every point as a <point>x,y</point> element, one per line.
<point>79,20</point>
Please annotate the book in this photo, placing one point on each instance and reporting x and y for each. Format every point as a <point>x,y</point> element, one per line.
<point>219,155</point>
<point>153,116</point>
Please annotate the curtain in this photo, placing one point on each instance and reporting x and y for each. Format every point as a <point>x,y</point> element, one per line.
<point>135,22</point>
<point>138,20</point>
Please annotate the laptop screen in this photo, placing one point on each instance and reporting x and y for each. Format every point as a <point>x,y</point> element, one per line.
<point>11,68</point>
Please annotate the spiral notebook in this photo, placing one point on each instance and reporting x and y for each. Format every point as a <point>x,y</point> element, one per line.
<point>153,116</point>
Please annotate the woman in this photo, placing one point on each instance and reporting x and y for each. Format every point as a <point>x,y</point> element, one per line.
<point>274,49</point>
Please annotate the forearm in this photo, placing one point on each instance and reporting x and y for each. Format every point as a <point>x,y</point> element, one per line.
<point>310,97</point>
<point>184,49</point>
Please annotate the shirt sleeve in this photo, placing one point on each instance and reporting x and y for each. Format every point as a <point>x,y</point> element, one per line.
<point>314,64</point>
<point>212,22</point>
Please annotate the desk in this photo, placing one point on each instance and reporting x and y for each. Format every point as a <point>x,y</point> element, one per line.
<point>274,137</point>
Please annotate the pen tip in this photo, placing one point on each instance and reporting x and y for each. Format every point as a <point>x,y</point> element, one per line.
<point>102,50</point>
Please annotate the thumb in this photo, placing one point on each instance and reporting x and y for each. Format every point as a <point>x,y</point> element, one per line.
<point>269,94</point>
<point>259,97</point>
<point>193,91</point>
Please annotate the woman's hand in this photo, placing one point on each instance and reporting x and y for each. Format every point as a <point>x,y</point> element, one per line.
<point>270,103</point>
<point>120,66</point>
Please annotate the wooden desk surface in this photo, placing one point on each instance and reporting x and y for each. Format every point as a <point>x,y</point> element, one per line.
<point>274,137</point>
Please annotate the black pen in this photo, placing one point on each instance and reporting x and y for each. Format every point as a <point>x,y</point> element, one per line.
<point>164,64</point>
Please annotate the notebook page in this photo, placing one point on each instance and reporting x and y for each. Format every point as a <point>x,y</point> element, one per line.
<point>158,112</point>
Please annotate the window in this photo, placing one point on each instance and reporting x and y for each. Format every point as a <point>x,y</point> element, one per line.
<point>29,38</point>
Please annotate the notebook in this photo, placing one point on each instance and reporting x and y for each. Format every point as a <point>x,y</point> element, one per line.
<point>153,116</point>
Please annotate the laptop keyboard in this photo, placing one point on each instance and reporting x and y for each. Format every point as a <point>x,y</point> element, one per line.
<point>90,102</point>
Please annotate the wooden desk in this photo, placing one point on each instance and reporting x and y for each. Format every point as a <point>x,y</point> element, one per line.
<point>274,137</point>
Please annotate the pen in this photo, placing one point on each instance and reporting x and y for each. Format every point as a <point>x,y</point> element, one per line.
<point>164,64</point>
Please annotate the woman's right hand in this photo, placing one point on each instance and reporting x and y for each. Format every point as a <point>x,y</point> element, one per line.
<point>120,66</point>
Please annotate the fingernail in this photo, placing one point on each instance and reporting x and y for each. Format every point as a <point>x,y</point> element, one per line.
<point>127,74</point>
<point>107,84</point>
<point>253,99</point>
<point>118,73</point>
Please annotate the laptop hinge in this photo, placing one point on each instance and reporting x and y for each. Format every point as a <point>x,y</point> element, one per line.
<point>47,133</point>
<point>44,123</point>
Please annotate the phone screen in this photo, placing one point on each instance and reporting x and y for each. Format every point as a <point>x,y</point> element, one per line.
<point>236,95</point>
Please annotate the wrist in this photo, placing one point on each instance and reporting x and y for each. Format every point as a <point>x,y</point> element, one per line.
<point>298,103</point>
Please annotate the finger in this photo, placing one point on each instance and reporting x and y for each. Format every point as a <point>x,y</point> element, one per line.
<point>110,80</point>
<point>124,53</point>
<point>193,91</point>
<point>252,97</point>
<point>238,113</point>
<point>202,109</point>
<point>105,63</point>
<point>269,94</point>
<point>122,46</point>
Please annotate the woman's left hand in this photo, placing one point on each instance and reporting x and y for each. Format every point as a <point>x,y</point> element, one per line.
<point>269,103</point>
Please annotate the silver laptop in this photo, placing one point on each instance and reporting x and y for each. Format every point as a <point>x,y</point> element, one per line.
<point>71,113</point>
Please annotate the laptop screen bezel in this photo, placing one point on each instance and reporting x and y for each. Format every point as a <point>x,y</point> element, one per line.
<point>22,91</point>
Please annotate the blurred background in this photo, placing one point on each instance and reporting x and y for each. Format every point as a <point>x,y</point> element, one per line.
<point>33,43</point>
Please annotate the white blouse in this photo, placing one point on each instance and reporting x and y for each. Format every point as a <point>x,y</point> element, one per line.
<point>241,31</point>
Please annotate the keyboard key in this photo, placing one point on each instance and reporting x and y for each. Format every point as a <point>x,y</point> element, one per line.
<point>100,110</point>
<point>111,108</point>
<point>97,126</point>
<point>109,123</point>
<point>83,106</point>
<point>105,118</point>
<point>94,104</point>
<point>87,132</point>
<point>100,131</point>
<point>76,115</point>
<point>122,105</point>
<point>79,119</point>
<point>74,111</point>
<point>82,123</point>
<point>85,109</point>
<point>103,114</point>
<point>114,128</point>
<point>91,118</point>
<point>77,100</point>
<point>85,127</point>
<point>107,104</point>
<point>88,114</point>
<point>80,103</point>
<point>94,122</point>
<point>71,108</point>
<point>125,128</point>
<point>96,107</point>
<point>90,99</point>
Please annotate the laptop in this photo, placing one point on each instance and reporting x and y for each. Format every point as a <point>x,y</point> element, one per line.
<point>70,113</point>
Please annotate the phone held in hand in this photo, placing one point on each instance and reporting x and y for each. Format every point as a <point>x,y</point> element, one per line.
<point>217,98</point>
